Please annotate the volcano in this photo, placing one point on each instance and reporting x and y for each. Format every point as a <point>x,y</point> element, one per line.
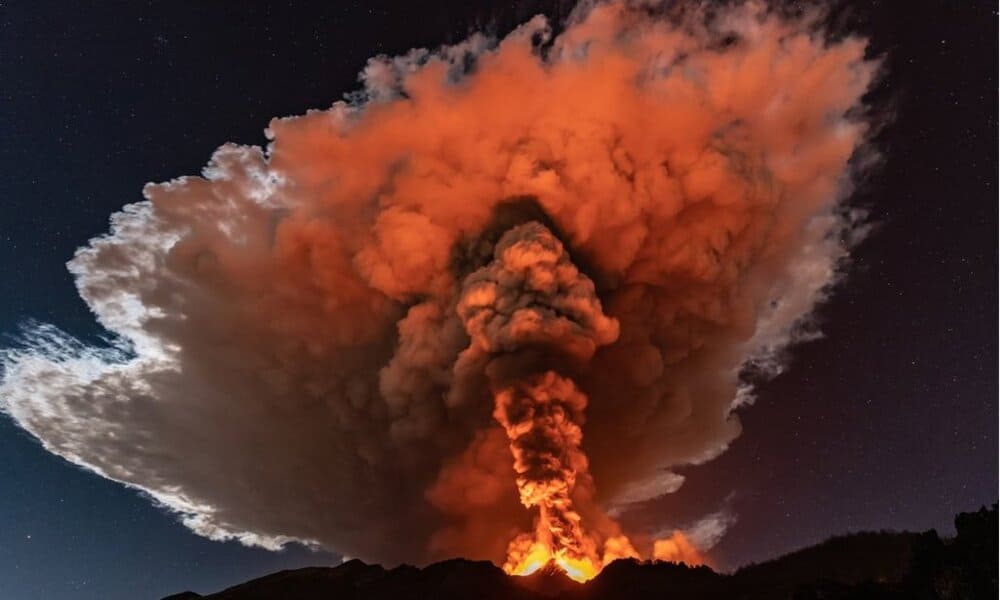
<point>864,565</point>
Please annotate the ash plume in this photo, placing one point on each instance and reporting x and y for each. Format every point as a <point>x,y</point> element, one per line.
<point>334,339</point>
<point>532,297</point>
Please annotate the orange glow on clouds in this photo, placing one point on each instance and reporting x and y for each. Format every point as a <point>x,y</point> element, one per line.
<point>333,318</point>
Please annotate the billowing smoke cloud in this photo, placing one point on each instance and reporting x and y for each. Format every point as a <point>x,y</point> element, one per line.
<point>527,310</point>
<point>309,337</point>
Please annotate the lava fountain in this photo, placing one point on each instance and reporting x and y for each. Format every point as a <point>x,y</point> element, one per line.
<point>533,318</point>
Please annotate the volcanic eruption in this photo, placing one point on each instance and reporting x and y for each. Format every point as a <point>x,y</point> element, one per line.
<point>483,307</point>
<point>529,307</point>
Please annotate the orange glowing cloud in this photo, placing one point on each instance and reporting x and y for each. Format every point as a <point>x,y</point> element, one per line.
<point>479,308</point>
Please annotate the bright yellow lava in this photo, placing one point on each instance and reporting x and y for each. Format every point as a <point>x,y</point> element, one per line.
<point>577,569</point>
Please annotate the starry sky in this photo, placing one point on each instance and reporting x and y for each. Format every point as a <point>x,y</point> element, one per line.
<point>889,421</point>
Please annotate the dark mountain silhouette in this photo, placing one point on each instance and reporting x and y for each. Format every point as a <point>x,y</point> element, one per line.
<point>879,566</point>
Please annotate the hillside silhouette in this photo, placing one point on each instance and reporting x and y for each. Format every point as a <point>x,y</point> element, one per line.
<point>880,565</point>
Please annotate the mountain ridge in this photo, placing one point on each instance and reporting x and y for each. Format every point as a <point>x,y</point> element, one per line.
<point>878,565</point>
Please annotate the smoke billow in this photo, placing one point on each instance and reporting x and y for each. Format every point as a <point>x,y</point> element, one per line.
<point>511,273</point>
<point>532,297</point>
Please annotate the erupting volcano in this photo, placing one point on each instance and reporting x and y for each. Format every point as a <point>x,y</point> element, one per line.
<point>527,311</point>
<point>544,412</point>
<point>531,305</point>
<point>483,307</point>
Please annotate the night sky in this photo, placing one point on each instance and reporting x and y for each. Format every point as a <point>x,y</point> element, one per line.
<point>888,422</point>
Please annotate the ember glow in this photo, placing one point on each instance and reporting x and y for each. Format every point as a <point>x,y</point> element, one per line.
<point>528,308</point>
<point>481,308</point>
<point>547,412</point>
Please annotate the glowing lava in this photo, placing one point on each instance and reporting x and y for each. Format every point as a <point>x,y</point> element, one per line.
<point>532,301</point>
<point>539,555</point>
<point>542,417</point>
